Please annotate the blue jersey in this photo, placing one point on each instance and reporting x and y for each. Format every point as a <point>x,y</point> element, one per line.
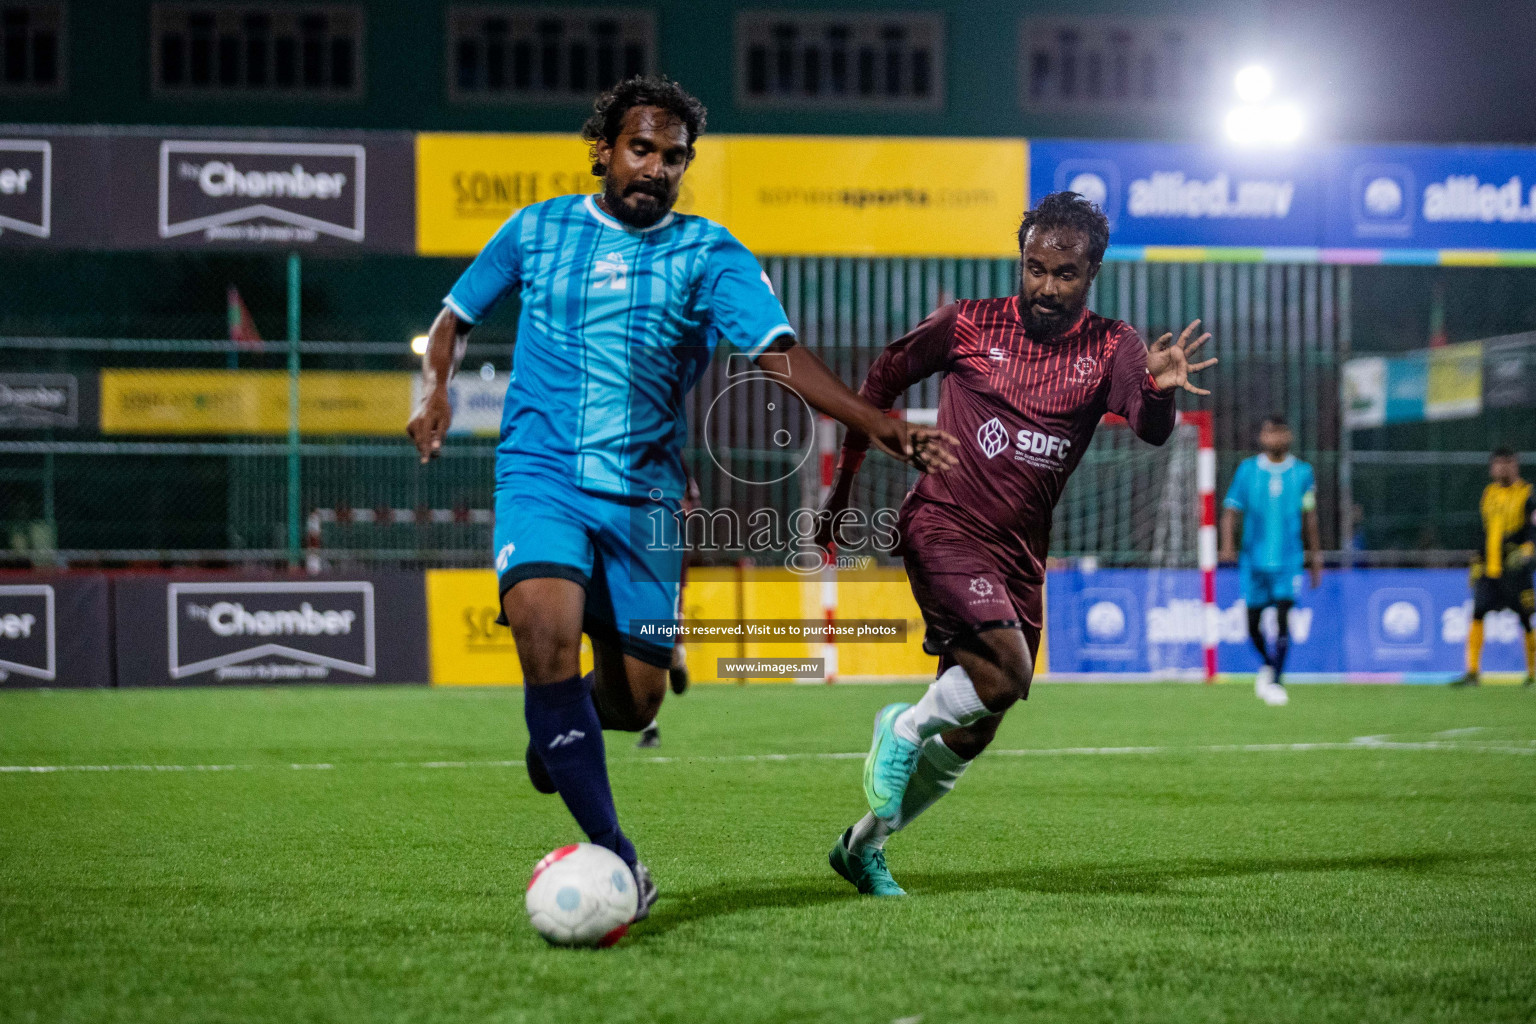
<point>617,325</point>
<point>1272,497</point>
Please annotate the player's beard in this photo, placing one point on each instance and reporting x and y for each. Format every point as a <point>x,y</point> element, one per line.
<point>1050,324</point>
<point>650,203</point>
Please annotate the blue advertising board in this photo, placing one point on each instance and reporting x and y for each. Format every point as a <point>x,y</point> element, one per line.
<point>1171,194</point>
<point>1361,624</point>
<point>1431,197</point>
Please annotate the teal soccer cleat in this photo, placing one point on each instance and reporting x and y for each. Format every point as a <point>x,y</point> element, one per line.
<point>889,764</point>
<point>867,871</point>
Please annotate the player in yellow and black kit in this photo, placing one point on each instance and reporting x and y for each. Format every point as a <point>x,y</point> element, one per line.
<point>1501,570</point>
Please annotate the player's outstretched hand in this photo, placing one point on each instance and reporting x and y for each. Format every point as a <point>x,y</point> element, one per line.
<point>926,448</point>
<point>1168,360</point>
<point>429,424</point>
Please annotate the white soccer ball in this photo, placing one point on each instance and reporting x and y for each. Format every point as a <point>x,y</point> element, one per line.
<point>582,895</point>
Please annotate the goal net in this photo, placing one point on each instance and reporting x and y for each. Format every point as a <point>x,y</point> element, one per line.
<point>1129,523</point>
<point>1131,503</point>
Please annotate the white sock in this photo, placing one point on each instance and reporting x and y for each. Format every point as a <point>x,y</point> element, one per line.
<point>950,702</point>
<point>936,773</point>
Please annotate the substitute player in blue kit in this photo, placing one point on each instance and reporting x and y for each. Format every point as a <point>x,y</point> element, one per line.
<point>1272,503</point>
<point>623,302</point>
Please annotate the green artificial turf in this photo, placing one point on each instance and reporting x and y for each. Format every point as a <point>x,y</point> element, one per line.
<point>327,873</point>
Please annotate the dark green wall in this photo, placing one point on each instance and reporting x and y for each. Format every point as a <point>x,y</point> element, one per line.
<point>1370,70</point>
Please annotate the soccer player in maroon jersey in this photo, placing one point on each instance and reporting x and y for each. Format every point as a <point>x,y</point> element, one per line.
<point>1027,379</point>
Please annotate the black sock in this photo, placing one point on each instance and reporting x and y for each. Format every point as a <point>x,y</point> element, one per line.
<point>1283,640</point>
<point>564,730</point>
<point>1257,635</point>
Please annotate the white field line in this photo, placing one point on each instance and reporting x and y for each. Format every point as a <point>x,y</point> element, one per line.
<point>1525,748</point>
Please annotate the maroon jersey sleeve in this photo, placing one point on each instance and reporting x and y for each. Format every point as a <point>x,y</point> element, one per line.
<point>916,355</point>
<point>1132,394</point>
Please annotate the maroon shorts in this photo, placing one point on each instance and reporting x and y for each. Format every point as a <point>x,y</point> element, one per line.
<point>963,585</point>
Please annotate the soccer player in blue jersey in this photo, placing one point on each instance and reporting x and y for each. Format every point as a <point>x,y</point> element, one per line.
<point>1272,504</point>
<point>623,302</point>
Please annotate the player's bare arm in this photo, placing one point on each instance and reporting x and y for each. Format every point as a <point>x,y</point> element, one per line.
<point>1168,361</point>
<point>445,350</point>
<point>1311,537</point>
<point>924,448</point>
<point>1231,530</point>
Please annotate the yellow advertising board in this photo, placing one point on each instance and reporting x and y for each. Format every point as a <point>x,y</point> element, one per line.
<point>813,195</point>
<point>779,194</point>
<point>1455,386</point>
<point>465,646</point>
<point>467,185</point>
<point>766,593</point>
<point>252,402</point>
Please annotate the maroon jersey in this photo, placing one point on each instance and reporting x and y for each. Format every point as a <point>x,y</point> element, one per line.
<point>1023,409</point>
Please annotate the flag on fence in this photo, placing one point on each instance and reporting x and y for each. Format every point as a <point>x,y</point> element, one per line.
<point>242,327</point>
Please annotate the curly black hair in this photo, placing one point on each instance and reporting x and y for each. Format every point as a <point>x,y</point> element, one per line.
<point>1070,210</point>
<point>608,111</point>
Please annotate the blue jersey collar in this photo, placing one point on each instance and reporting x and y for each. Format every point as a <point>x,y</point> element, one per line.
<point>614,222</point>
<point>1277,467</point>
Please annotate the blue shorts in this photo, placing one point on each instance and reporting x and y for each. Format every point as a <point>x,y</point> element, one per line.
<point>1264,587</point>
<point>549,528</point>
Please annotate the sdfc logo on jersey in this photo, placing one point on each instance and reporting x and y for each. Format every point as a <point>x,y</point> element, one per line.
<point>1041,450</point>
<point>1085,370</point>
<point>992,437</point>
<point>611,273</point>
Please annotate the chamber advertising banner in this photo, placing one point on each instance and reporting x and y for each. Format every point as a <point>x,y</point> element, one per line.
<point>209,630</point>
<point>207,188</point>
<point>26,187</point>
<point>1509,371</point>
<point>40,401</point>
<point>1184,195</point>
<point>1431,197</point>
<point>1366,624</point>
<point>53,631</point>
<point>52,187</point>
<point>336,190</point>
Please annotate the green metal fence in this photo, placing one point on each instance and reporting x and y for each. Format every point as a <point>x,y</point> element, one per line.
<point>78,497</point>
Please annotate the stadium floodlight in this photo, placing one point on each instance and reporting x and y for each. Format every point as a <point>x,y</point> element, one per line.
<point>1254,84</point>
<point>419,344</point>
<point>1272,124</point>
